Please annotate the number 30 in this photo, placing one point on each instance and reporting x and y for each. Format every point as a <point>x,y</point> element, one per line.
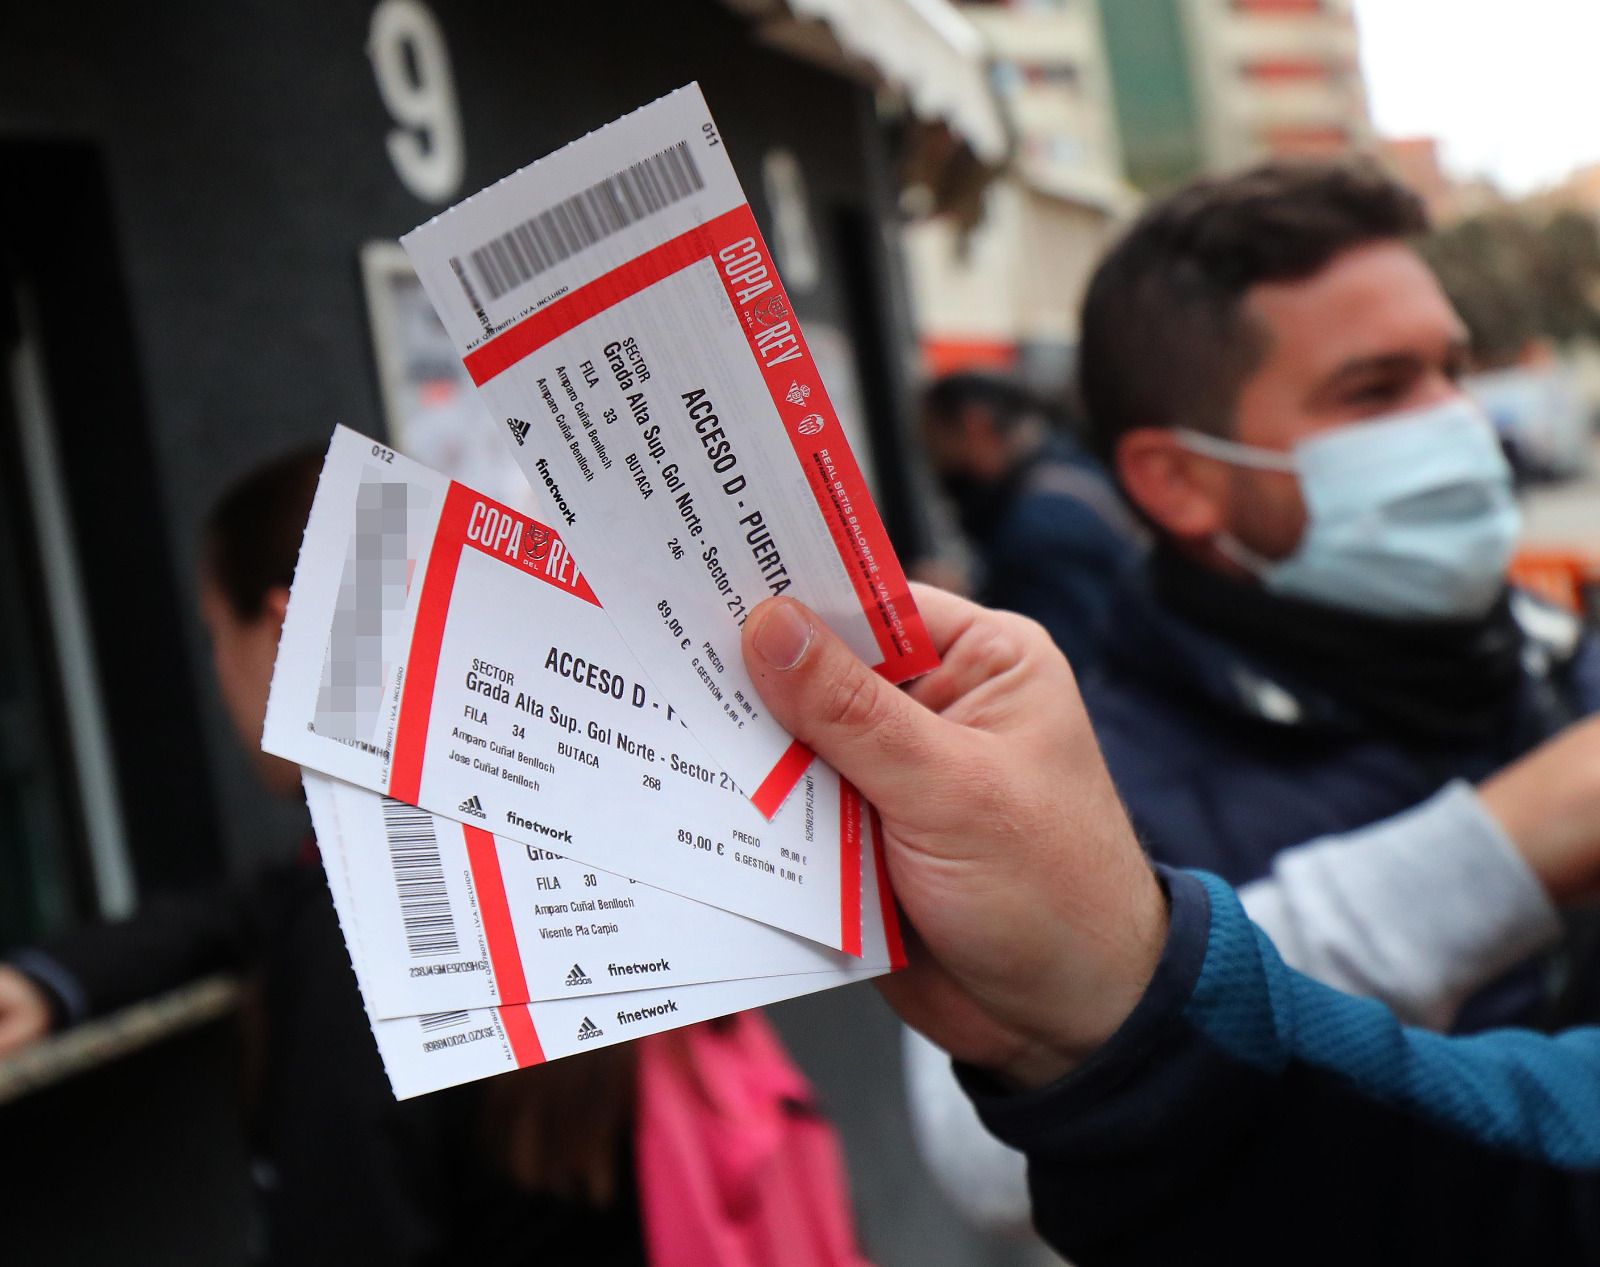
<point>412,65</point>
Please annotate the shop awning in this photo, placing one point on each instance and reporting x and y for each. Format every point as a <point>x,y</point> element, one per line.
<point>924,49</point>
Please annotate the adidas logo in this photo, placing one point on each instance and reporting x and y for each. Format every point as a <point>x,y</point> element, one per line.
<point>472,805</point>
<point>577,977</point>
<point>519,430</point>
<point>588,1030</point>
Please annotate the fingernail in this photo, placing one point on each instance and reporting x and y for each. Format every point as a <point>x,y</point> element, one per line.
<point>784,636</point>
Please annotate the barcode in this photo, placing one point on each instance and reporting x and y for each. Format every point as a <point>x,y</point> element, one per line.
<point>441,1020</point>
<point>419,879</point>
<point>608,207</point>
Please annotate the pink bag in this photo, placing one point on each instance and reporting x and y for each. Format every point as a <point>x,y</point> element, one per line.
<point>737,1166</point>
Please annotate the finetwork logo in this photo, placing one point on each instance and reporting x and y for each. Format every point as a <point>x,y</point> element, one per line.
<point>472,805</point>
<point>578,977</point>
<point>588,1030</point>
<point>519,430</point>
<point>634,969</point>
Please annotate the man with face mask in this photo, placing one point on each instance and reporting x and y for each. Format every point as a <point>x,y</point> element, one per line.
<point>1323,636</point>
<point>1051,534</point>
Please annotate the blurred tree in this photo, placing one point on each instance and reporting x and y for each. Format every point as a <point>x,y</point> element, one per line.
<point>1570,286</point>
<point>1516,280</point>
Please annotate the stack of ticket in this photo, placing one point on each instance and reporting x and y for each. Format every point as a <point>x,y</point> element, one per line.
<point>553,811</point>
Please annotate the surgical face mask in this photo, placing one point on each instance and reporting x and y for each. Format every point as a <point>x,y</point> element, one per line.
<point>1409,517</point>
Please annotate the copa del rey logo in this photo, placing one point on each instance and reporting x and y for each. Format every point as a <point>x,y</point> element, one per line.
<point>536,544</point>
<point>769,312</point>
<point>766,311</point>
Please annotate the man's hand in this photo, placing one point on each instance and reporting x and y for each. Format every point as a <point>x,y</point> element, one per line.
<point>1549,804</point>
<point>24,1011</point>
<point>1038,921</point>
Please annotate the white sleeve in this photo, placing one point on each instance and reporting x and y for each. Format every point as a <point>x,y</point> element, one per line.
<point>986,1180</point>
<point>1419,910</point>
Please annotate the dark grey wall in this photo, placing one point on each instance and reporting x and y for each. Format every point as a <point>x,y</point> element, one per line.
<point>243,149</point>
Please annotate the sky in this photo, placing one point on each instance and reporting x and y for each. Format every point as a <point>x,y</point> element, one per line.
<point>1510,87</point>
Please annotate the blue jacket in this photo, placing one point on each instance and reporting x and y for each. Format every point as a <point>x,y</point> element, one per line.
<point>1222,763</point>
<point>1056,545</point>
<point>1245,1114</point>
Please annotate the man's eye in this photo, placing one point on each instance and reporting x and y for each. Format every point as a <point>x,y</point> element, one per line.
<point>1375,393</point>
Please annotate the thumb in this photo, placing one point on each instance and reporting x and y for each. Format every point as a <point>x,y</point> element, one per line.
<point>825,696</point>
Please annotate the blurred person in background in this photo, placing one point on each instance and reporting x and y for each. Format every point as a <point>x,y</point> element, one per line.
<point>1049,530</point>
<point>702,1146</point>
<point>1525,287</point>
<point>1323,636</point>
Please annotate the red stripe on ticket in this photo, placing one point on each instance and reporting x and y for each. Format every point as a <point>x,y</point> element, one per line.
<point>812,425</point>
<point>520,1033</point>
<point>891,910</point>
<point>849,870</point>
<point>422,666</point>
<point>776,787</point>
<point>505,958</point>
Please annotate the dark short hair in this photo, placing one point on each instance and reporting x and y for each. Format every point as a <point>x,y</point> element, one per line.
<point>1164,338</point>
<point>1006,401</point>
<point>251,539</point>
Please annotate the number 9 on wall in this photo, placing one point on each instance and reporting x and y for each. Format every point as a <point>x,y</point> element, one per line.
<point>412,66</point>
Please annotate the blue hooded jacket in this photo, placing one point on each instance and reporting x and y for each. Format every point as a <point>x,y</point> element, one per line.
<point>1223,760</point>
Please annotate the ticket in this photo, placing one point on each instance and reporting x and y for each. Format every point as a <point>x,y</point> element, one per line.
<point>625,323</point>
<point>449,652</point>
<point>452,917</point>
<point>428,1053</point>
<point>431,1051</point>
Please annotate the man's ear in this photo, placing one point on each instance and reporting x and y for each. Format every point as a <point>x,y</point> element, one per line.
<point>1183,493</point>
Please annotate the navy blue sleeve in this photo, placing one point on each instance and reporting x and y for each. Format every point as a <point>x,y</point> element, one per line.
<point>1247,1114</point>
<point>1058,563</point>
<point>1585,674</point>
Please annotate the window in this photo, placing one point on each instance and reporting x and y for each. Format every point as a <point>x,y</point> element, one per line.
<point>1067,151</point>
<point>1279,6</point>
<point>1311,140</point>
<point>1287,70</point>
<point>1006,77</point>
<point>1052,75</point>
